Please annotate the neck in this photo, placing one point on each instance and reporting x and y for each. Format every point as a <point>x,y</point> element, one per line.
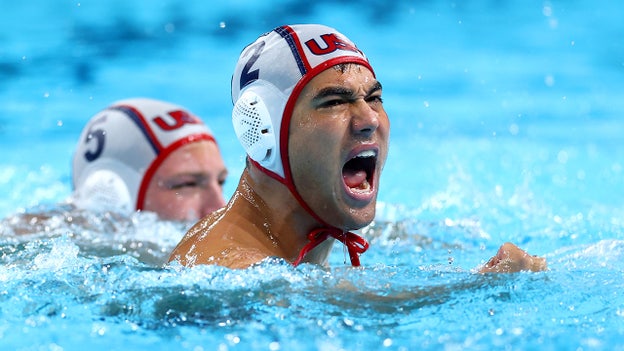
<point>285,223</point>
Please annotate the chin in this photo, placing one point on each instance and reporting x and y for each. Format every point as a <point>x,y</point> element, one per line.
<point>359,218</point>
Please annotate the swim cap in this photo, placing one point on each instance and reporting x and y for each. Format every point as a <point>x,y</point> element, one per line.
<point>269,76</point>
<point>122,146</point>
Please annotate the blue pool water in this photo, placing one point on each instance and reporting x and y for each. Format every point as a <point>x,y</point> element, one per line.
<point>506,126</point>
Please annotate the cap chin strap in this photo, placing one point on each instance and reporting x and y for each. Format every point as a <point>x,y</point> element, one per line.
<point>356,245</point>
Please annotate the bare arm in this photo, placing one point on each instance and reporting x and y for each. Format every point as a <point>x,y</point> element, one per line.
<point>510,258</point>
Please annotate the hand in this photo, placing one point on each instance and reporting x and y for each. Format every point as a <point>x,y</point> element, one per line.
<point>511,258</point>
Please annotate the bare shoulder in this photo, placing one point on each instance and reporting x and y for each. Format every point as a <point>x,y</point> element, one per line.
<point>200,230</point>
<point>227,253</point>
<point>240,257</point>
<point>197,242</point>
<point>220,241</point>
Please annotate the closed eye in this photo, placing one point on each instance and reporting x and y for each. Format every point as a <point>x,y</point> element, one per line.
<point>374,94</point>
<point>332,97</point>
<point>180,185</point>
<point>374,99</point>
<point>184,181</point>
<point>332,103</point>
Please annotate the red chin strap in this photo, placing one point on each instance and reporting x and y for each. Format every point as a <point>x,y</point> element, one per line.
<point>356,245</point>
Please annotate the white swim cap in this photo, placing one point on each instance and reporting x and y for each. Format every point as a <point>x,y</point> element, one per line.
<point>121,148</point>
<point>269,76</point>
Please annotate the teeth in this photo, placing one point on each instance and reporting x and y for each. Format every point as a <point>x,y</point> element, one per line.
<point>367,153</point>
<point>365,186</point>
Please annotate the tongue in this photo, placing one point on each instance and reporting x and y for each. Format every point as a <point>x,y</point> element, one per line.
<point>354,179</point>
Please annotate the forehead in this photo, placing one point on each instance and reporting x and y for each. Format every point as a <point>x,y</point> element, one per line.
<point>189,157</point>
<point>349,75</point>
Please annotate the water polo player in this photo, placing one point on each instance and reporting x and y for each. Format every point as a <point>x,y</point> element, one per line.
<point>148,155</point>
<point>308,111</point>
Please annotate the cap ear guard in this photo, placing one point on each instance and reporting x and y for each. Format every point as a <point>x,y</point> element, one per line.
<point>103,190</point>
<point>256,117</point>
<point>253,127</point>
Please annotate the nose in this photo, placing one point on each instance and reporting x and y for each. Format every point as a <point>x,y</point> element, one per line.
<point>212,199</point>
<point>365,119</point>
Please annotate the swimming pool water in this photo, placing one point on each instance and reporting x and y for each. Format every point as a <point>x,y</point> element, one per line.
<point>506,126</point>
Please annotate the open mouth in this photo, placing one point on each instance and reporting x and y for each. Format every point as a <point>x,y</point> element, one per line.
<point>358,172</point>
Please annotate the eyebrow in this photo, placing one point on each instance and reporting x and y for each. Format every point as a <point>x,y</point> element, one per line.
<point>341,91</point>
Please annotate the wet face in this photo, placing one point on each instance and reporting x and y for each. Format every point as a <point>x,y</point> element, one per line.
<point>188,184</point>
<point>338,145</point>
